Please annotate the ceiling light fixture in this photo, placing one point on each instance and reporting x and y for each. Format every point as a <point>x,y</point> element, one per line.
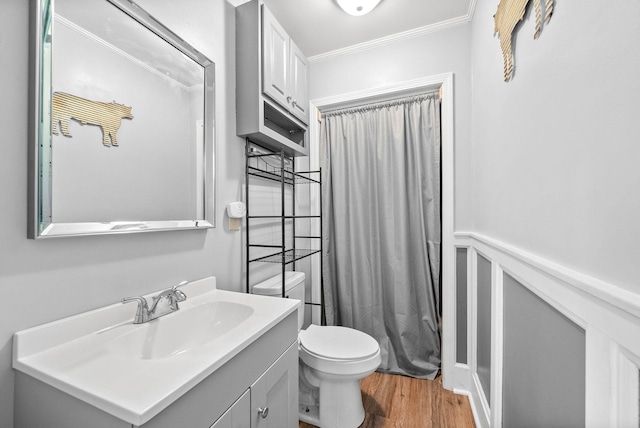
<point>358,7</point>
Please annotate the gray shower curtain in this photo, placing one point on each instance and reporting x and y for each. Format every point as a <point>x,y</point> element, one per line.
<point>381,228</point>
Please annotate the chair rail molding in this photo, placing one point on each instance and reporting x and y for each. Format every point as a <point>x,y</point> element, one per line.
<point>612,294</point>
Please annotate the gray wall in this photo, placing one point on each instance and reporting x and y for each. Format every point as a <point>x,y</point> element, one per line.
<point>461,305</point>
<point>544,363</point>
<point>42,281</point>
<point>484,324</point>
<point>555,150</point>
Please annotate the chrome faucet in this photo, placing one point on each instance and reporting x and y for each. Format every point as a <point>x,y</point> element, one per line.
<point>163,303</point>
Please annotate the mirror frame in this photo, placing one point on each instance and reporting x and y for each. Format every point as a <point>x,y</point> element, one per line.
<point>39,133</point>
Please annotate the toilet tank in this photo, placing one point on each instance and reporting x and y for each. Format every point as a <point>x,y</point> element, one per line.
<point>294,289</point>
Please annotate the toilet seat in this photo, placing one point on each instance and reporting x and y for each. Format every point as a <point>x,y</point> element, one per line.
<point>338,350</point>
<point>337,343</point>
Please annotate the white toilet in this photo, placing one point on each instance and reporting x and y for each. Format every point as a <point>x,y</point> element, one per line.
<point>332,362</point>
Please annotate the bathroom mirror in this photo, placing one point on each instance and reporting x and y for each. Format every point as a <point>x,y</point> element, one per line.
<point>122,123</point>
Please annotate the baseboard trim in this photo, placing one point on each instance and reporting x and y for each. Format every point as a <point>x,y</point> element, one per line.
<point>479,404</point>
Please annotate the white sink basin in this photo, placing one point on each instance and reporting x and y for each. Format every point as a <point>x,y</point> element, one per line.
<point>94,355</point>
<point>180,331</point>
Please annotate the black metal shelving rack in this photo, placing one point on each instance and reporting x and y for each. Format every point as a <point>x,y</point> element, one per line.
<point>280,167</point>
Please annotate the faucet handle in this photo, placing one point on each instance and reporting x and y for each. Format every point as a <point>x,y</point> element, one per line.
<point>180,296</point>
<point>143,308</point>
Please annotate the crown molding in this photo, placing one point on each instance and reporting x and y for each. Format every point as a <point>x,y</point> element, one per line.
<point>416,32</point>
<point>472,9</point>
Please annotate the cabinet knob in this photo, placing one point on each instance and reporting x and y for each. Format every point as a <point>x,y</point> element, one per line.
<point>263,411</point>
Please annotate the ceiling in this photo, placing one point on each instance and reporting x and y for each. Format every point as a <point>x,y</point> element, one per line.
<point>320,26</point>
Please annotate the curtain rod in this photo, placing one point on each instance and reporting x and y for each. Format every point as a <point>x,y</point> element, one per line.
<point>391,102</point>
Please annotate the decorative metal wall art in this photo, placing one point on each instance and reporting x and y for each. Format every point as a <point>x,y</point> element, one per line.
<point>108,116</point>
<point>509,13</point>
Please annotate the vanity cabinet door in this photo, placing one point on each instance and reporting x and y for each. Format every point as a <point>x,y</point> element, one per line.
<point>238,415</point>
<point>275,60</point>
<point>274,396</point>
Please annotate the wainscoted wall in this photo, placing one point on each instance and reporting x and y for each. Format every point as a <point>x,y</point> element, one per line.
<point>543,368</point>
<point>554,174</point>
<point>564,346</point>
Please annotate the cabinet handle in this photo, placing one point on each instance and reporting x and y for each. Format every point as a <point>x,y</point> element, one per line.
<point>294,104</point>
<point>263,411</point>
<point>289,99</point>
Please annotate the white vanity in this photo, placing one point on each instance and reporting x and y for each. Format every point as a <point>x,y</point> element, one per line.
<point>224,360</point>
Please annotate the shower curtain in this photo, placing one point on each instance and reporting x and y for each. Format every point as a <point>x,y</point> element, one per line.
<point>381,228</point>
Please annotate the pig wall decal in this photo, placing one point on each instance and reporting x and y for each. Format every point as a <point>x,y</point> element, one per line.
<point>108,116</point>
<point>509,13</point>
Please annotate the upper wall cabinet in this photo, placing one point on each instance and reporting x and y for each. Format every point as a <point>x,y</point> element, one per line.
<point>271,82</point>
<point>284,68</point>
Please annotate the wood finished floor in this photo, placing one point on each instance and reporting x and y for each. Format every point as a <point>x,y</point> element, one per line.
<point>392,401</point>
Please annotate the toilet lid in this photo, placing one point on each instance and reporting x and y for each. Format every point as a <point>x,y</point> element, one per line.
<point>340,343</point>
